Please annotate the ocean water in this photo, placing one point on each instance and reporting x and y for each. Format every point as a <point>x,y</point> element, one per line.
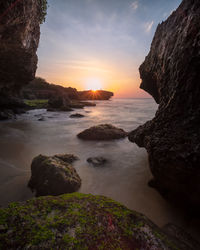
<point>124,178</point>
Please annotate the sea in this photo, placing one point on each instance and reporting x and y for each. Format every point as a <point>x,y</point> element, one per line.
<point>123,178</point>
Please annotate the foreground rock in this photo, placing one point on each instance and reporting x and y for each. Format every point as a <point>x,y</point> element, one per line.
<point>54,175</point>
<point>171,75</point>
<point>102,132</point>
<point>97,161</point>
<point>78,221</point>
<point>19,38</point>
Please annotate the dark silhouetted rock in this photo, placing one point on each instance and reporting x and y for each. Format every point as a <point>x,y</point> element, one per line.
<point>76,116</point>
<point>102,132</point>
<point>97,161</point>
<point>80,221</point>
<point>19,38</point>
<point>54,175</point>
<point>171,74</point>
<point>95,95</point>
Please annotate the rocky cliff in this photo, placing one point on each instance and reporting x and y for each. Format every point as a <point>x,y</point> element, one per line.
<point>171,74</point>
<point>19,37</point>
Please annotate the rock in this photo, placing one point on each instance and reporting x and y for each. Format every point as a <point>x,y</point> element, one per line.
<point>97,161</point>
<point>41,119</point>
<point>54,175</point>
<point>76,116</point>
<point>95,95</point>
<point>180,235</point>
<point>170,73</point>
<point>88,104</point>
<point>102,132</point>
<point>59,102</point>
<point>77,105</point>
<point>80,221</point>
<point>19,38</point>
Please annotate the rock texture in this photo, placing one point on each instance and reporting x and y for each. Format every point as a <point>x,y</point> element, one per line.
<point>171,74</point>
<point>54,175</point>
<point>102,132</point>
<point>79,221</point>
<point>19,38</point>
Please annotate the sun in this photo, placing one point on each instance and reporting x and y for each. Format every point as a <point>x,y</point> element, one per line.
<point>93,84</point>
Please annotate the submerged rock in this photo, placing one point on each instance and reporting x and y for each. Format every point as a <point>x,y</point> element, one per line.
<point>77,115</point>
<point>102,132</point>
<point>54,175</point>
<point>97,161</point>
<point>171,75</point>
<point>80,221</point>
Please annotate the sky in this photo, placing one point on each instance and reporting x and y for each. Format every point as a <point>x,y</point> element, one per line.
<point>99,44</point>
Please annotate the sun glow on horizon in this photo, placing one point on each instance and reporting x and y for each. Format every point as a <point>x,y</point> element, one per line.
<point>93,84</point>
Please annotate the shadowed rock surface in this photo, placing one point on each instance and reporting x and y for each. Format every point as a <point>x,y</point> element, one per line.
<point>54,175</point>
<point>76,116</point>
<point>79,221</point>
<point>102,132</point>
<point>97,161</point>
<point>170,73</point>
<point>19,38</point>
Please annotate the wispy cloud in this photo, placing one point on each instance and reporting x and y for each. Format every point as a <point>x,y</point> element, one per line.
<point>148,26</point>
<point>134,5</point>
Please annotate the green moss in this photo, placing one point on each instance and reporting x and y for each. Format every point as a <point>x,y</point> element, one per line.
<point>37,103</point>
<point>43,12</point>
<point>73,221</point>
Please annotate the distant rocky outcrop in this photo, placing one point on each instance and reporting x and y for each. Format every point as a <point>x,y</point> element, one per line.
<point>171,74</point>
<point>54,175</point>
<point>102,132</point>
<point>19,38</point>
<point>39,88</point>
<point>95,95</point>
<point>80,221</point>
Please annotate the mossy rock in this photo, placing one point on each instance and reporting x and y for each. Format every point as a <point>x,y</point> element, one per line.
<point>78,221</point>
<point>54,175</point>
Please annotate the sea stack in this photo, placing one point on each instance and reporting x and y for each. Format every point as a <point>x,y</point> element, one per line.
<point>171,74</point>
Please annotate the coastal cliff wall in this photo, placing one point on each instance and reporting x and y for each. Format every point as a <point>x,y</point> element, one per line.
<point>19,38</point>
<point>171,74</point>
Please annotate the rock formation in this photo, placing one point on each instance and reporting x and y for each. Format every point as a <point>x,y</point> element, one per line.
<point>80,221</point>
<point>171,74</point>
<point>95,95</point>
<point>102,132</point>
<point>54,175</point>
<point>19,37</point>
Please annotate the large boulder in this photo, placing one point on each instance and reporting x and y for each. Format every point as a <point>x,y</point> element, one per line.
<point>80,221</point>
<point>19,38</point>
<point>170,73</point>
<point>54,175</point>
<point>102,132</point>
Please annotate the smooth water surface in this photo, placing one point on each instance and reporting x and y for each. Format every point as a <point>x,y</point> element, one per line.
<point>125,176</point>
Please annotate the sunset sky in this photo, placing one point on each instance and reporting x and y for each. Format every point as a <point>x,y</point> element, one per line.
<point>99,44</point>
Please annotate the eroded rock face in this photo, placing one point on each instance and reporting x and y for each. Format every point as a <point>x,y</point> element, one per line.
<point>80,221</point>
<point>19,38</point>
<point>102,132</point>
<point>171,74</point>
<point>54,175</point>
